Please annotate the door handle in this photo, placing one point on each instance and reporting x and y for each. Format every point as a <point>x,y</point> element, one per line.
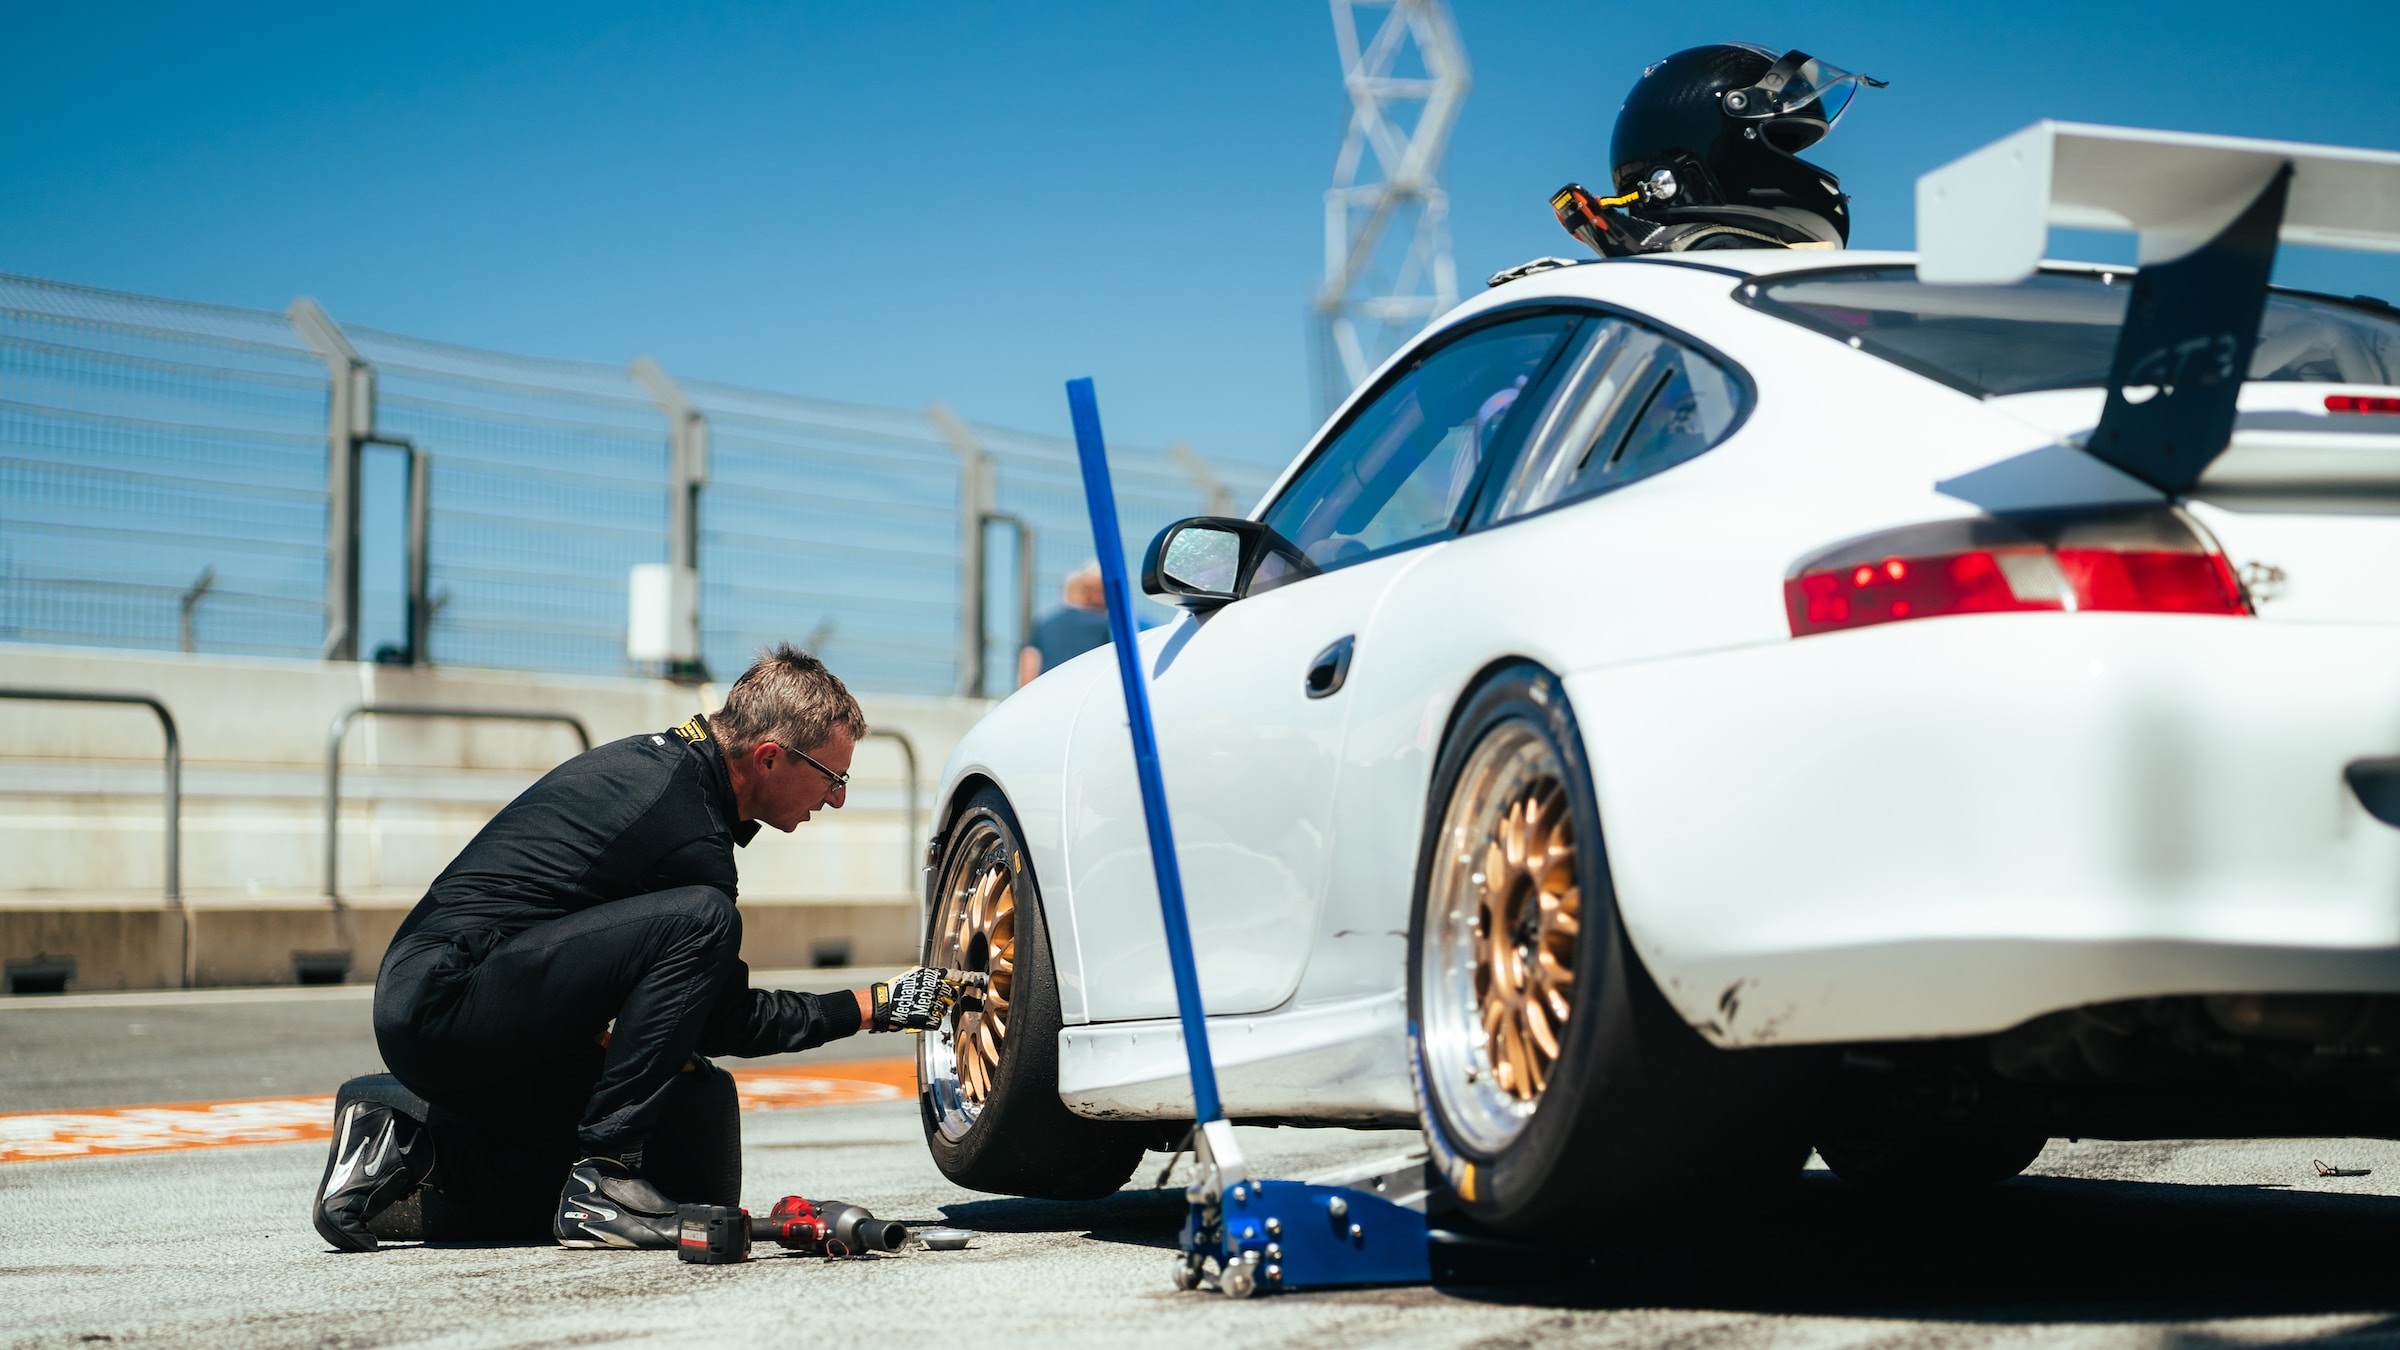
<point>1332,666</point>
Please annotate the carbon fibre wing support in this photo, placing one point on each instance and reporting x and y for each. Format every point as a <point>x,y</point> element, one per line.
<point>2190,327</point>
<point>2208,212</point>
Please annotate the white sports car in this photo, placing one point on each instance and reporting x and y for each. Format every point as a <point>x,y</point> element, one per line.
<point>1689,709</point>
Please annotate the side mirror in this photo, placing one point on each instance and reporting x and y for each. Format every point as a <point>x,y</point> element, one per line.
<point>1207,562</point>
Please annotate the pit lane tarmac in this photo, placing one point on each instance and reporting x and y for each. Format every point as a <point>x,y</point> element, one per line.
<point>2182,1244</point>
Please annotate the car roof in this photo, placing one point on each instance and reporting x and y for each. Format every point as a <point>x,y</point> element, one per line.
<point>1759,262</point>
<point>1762,262</point>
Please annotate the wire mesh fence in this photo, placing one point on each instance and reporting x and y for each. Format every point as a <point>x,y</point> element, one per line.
<point>163,483</point>
<point>142,444</point>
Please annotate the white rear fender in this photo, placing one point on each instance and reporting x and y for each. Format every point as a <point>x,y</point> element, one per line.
<point>1948,826</point>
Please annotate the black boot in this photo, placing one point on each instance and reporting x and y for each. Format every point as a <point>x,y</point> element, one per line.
<point>379,1155</point>
<point>606,1205</point>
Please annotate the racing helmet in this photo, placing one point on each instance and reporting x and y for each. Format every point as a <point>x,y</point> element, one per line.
<point>1714,134</point>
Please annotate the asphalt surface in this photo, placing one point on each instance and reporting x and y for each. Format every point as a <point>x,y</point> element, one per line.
<point>2189,1245</point>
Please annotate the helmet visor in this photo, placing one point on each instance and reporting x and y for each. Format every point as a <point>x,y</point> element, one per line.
<point>1799,84</point>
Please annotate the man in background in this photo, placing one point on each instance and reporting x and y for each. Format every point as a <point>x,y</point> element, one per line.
<point>1070,631</point>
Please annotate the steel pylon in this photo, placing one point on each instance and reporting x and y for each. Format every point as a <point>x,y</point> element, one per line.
<point>1388,270</point>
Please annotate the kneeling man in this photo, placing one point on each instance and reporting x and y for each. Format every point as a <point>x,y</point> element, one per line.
<point>553,994</point>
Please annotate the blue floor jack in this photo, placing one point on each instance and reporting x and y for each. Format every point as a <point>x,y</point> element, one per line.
<point>1245,1234</point>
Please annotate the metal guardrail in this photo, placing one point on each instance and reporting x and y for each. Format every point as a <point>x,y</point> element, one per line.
<point>911,845</point>
<point>333,767</point>
<point>174,761</point>
<point>341,726</point>
<point>174,792</point>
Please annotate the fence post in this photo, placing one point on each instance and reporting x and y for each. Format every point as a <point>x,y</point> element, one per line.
<point>1025,536</point>
<point>975,503</point>
<point>349,421</point>
<point>420,573</point>
<point>687,473</point>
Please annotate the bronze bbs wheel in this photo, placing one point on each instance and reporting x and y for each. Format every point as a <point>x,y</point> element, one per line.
<point>1505,916</point>
<point>975,928</point>
<point>987,1077</point>
<point>1554,1081</point>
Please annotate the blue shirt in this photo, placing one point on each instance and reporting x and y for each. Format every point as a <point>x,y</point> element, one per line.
<point>1069,633</point>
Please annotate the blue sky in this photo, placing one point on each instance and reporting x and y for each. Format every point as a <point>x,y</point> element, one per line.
<point>898,202</point>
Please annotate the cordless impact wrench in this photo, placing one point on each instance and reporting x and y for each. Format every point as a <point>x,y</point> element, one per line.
<point>721,1234</point>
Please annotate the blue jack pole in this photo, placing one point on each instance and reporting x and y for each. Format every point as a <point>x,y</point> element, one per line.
<point>1102,499</point>
<point>1259,1235</point>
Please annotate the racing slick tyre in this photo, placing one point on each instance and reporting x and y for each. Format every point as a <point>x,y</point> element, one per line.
<point>987,1078</point>
<point>1891,1162</point>
<point>1553,1080</point>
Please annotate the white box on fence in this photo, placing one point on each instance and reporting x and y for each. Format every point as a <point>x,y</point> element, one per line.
<point>662,618</point>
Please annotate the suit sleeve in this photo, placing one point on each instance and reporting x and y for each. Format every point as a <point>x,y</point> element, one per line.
<point>779,1021</point>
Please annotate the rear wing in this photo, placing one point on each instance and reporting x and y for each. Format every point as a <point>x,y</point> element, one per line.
<point>2208,212</point>
<point>1984,219</point>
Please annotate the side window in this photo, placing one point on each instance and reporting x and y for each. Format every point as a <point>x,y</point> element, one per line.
<point>1402,469</point>
<point>1634,403</point>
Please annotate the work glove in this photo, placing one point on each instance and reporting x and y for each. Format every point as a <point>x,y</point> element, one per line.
<point>919,999</point>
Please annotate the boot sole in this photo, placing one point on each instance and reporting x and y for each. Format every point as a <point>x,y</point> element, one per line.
<point>361,1241</point>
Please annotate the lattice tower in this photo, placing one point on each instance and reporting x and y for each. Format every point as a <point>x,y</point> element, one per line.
<point>1388,270</point>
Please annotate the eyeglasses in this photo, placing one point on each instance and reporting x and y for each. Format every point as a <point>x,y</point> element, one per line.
<point>836,781</point>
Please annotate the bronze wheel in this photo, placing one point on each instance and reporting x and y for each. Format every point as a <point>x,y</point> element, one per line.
<point>987,1077</point>
<point>976,929</point>
<point>1527,918</point>
<point>1506,922</point>
<point>1554,1081</point>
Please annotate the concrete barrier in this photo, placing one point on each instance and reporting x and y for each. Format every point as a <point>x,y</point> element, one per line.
<point>81,850</point>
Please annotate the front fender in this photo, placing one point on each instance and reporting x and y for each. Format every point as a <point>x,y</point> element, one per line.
<point>1021,748</point>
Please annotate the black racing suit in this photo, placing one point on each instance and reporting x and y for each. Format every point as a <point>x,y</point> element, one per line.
<point>604,891</point>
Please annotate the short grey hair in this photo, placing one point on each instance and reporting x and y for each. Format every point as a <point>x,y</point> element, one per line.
<point>788,697</point>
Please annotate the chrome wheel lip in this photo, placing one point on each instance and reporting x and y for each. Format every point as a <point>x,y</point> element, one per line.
<point>937,1070</point>
<point>938,1050</point>
<point>1511,765</point>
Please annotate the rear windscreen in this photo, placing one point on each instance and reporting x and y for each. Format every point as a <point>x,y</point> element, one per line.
<point>2057,330</point>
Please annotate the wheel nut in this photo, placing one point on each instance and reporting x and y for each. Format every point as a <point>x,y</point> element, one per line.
<point>1357,1232</point>
<point>1274,1227</point>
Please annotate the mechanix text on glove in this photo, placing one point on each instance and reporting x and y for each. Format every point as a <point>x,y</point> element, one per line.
<point>920,999</point>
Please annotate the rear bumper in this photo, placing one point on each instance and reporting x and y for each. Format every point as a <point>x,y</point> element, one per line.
<point>1949,827</point>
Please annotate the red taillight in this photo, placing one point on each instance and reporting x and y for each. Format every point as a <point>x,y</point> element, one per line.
<point>2361,403</point>
<point>2160,582</point>
<point>2075,568</point>
<point>1824,599</point>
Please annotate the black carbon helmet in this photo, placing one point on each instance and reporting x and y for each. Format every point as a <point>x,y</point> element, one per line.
<point>1726,124</point>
